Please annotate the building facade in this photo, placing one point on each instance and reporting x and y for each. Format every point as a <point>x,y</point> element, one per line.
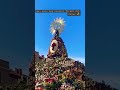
<point>11,79</point>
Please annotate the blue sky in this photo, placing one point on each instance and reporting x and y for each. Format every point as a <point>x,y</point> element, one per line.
<point>74,31</point>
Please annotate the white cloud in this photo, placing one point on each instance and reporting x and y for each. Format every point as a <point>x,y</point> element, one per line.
<point>82,60</point>
<point>44,52</point>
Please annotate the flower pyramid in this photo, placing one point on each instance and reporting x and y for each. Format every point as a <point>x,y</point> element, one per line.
<point>57,71</point>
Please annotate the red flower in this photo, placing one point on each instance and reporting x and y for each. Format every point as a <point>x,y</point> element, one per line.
<point>53,45</point>
<point>39,88</point>
<point>50,80</point>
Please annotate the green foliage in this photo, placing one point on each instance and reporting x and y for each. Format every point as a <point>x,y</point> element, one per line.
<point>21,86</point>
<point>53,86</point>
<point>78,85</point>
